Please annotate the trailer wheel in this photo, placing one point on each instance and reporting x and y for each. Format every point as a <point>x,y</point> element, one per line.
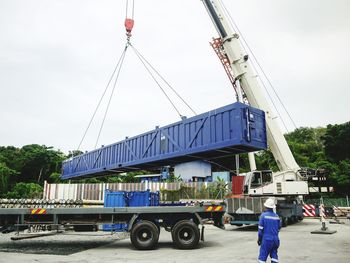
<point>144,235</point>
<point>185,234</point>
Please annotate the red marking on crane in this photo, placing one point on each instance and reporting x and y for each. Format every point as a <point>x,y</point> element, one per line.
<point>309,210</point>
<point>216,45</point>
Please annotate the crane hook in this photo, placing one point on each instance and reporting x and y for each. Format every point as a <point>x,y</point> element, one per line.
<point>129,24</point>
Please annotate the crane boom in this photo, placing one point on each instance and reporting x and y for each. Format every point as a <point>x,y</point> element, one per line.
<point>244,73</point>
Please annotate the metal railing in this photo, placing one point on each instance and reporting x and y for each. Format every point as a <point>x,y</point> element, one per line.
<point>337,202</point>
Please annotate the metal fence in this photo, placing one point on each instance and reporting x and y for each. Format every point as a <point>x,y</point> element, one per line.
<point>337,202</point>
<point>168,191</point>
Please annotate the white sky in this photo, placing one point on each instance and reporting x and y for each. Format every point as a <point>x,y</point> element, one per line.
<point>57,56</point>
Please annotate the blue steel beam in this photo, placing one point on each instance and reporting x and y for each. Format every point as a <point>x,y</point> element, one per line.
<point>232,129</point>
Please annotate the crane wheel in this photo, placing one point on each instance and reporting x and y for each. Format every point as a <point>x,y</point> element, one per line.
<point>284,221</point>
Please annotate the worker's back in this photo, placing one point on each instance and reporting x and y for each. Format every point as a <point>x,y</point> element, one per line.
<point>269,225</point>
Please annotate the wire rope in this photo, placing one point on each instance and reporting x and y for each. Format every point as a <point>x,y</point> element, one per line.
<point>234,24</point>
<point>162,78</point>
<point>100,101</point>
<point>110,98</point>
<point>157,82</point>
<point>132,8</point>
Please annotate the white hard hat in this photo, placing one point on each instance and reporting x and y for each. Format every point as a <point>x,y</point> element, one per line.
<point>270,203</point>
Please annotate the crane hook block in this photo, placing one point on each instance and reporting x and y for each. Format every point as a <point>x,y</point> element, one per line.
<point>129,24</point>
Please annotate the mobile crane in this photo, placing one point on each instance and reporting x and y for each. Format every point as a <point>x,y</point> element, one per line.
<point>287,185</point>
<point>144,223</point>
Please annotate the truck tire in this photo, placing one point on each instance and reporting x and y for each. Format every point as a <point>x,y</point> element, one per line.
<point>185,234</point>
<point>284,221</point>
<point>144,235</point>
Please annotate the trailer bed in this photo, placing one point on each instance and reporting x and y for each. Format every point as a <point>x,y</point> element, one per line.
<point>143,223</point>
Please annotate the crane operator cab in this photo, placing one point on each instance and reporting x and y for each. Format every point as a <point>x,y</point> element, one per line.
<point>257,179</point>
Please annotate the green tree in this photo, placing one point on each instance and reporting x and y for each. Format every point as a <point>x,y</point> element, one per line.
<point>306,145</point>
<point>10,155</point>
<point>7,176</point>
<point>337,154</point>
<point>26,190</point>
<point>38,162</point>
<point>55,178</point>
<point>266,161</point>
<point>337,142</point>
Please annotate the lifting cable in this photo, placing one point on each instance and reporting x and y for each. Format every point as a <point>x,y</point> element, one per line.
<point>110,98</point>
<point>155,80</point>
<point>148,66</point>
<point>132,9</point>
<point>234,25</point>
<point>118,65</point>
<point>129,23</point>
<point>129,20</point>
<point>162,78</point>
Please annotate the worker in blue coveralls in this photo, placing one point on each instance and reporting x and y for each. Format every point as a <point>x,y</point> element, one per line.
<point>269,226</point>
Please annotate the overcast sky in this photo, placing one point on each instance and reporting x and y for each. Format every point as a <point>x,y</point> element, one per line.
<point>57,56</point>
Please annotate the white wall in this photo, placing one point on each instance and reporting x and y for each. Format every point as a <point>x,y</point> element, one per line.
<point>192,169</point>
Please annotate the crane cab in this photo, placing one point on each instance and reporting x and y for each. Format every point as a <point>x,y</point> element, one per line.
<point>256,180</point>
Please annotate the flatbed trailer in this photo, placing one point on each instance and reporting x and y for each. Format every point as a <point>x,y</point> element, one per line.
<point>143,223</point>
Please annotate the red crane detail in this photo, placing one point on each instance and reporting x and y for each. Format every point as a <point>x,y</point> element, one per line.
<point>217,46</point>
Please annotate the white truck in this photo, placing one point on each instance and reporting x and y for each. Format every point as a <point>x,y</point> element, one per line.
<point>290,183</point>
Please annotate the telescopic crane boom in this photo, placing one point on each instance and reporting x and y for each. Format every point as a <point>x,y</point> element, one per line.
<point>252,92</point>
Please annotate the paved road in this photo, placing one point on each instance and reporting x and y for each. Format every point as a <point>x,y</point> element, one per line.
<point>231,245</point>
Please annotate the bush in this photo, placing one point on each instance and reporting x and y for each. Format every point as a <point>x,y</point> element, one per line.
<point>26,190</point>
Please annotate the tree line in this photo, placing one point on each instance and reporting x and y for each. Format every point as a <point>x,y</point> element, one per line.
<point>24,170</point>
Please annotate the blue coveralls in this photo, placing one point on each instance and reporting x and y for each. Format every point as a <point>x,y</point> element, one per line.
<point>269,226</point>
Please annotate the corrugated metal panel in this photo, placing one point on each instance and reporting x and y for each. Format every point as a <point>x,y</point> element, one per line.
<point>86,192</point>
<point>235,128</point>
<point>143,198</point>
<point>245,204</point>
<point>114,199</point>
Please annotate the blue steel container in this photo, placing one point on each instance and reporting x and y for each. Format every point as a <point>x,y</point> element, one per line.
<point>143,198</point>
<point>235,128</point>
<point>115,199</point>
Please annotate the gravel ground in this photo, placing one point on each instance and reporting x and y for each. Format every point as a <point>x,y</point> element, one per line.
<point>61,244</point>
<point>230,245</point>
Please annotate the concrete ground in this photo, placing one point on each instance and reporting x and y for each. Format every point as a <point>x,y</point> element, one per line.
<point>230,245</point>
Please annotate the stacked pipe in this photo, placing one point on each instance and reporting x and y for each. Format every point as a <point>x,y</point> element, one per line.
<point>341,211</point>
<point>48,203</point>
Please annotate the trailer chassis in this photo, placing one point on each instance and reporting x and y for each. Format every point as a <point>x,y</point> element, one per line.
<point>143,223</point>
